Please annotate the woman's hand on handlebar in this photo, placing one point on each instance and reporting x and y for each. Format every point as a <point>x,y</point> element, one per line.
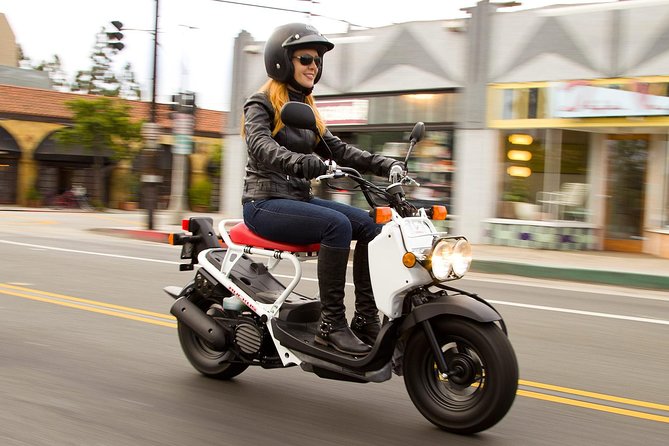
<point>312,166</point>
<point>397,173</point>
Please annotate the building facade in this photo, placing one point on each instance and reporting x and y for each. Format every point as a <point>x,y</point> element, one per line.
<point>547,128</point>
<point>34,164</point>
<point>36,169</point>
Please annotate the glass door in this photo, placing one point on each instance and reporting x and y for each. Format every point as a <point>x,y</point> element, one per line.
<point>626,182</point>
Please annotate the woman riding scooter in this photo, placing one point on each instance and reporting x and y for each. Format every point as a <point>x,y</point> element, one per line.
<point>278,202</point>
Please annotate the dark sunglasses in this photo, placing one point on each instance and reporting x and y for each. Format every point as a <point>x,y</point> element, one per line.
<point>307,59</point>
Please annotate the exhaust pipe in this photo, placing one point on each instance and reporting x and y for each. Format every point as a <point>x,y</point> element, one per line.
<point>197,320</point>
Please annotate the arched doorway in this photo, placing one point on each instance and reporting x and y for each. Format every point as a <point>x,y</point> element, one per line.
<point>60,166</point>
<point>10,153</point>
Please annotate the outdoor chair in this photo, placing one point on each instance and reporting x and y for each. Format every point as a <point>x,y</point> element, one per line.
<point>567,203</point>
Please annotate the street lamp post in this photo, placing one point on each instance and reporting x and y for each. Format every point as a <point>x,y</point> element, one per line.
<point>151,179</point>
<point>151,130</point>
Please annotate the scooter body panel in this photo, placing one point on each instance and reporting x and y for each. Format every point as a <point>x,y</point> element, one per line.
<point>390,278</point>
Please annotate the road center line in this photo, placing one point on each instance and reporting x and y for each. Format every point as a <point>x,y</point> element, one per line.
<point>101,254</point>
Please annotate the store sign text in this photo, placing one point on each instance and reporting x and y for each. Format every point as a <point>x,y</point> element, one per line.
<point>344,112</point>
<point>583,100</point>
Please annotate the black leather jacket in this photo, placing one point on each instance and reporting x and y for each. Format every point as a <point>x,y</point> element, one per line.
<point>270,170</point>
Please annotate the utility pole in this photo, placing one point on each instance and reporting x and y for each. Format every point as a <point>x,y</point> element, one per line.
<point>150,130</point>
<point>151,133</point>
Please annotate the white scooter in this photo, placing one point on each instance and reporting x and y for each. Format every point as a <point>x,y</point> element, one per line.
<point>450,346</point>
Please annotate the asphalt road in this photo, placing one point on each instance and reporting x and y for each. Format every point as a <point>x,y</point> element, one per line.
<point>89,356</point>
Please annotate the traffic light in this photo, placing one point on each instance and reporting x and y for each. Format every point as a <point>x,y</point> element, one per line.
<point>114,38</point>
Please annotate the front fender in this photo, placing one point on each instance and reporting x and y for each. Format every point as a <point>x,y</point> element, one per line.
<point>455,305</point>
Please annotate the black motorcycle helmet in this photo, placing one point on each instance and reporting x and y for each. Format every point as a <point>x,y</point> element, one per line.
<point>284,41</point>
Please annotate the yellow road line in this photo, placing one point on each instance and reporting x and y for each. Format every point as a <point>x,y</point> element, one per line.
<point>107,309</point>
<point>599,396</point>
<point>138,315</point>
<point>87,301</point>
<point>593,406</point>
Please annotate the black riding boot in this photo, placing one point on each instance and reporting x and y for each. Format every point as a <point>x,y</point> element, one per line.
<point>334,330</point>
<point>365,323</point>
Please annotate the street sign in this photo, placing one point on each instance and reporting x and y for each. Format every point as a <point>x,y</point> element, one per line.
<point>151,134</point>
<point>183,131</point>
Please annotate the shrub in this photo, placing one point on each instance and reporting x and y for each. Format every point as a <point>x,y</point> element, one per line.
<point>200,193</point>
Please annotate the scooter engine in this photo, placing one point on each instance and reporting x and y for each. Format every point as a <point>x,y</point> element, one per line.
<point>248,337</point>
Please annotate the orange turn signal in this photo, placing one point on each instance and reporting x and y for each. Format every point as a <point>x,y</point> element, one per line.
<point>409,259</point>
<point>382,215</point>
<point>439,212</point>
<point>170,239</point>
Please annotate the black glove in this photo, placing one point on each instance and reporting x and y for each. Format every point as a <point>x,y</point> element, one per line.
<point>312,167</point>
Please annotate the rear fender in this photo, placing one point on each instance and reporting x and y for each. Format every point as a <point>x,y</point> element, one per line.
<point>453,305</point>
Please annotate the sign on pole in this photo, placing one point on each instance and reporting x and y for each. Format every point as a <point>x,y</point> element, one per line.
<point>183,134</point>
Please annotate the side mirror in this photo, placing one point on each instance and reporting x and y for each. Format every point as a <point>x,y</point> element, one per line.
<point>298,115</point>
<point>417,133</point>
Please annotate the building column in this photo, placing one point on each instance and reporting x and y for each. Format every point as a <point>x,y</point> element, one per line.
<point>476,182</point>
<point>234,157</point>
<point>477,148</point>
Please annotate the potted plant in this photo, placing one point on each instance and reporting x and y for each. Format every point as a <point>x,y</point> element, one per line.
<point>131,192</point>
<point>33,197</point>
<point>200,195</point>
<point>516,201</point>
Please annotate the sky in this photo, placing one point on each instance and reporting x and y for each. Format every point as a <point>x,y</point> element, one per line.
<point>196,37</point>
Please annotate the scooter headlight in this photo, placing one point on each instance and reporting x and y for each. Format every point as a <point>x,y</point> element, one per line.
<point>461,258</point>
<point>451,258</point>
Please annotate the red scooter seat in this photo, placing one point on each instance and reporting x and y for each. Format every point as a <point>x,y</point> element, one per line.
<point>242,235</point>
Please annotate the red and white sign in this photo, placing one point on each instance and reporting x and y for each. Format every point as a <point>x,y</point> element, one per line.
<point>580,99</point>
<point>344,111</point>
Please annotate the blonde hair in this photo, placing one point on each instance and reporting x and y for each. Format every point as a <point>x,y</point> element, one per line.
<point>277,92</point>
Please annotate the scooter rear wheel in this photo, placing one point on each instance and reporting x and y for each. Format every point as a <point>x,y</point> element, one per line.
<point>203,356</point>
<point>485,379</point>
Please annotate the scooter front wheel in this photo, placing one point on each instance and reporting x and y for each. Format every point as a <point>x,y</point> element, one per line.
<point>482,380</point>
<point>202,355</point>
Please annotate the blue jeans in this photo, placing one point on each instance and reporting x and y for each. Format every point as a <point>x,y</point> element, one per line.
<point>327,222</point>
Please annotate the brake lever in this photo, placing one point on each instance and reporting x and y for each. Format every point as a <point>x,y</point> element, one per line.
<point>331,175</point>
<point>332,166</point>
<point>409,180</point>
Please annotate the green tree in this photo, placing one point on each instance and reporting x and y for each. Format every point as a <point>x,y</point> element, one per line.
<point>100,126</point>
<point>100,79</point>
<point>129,87</point>
<point>22,57</point>
<point>55,70</point>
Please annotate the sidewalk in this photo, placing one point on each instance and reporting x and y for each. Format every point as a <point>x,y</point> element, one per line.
<point>612,268</point>
<point>602,267</point>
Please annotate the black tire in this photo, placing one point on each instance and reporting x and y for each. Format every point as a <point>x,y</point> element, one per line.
<point>481,394</point>
<point>203,357</point>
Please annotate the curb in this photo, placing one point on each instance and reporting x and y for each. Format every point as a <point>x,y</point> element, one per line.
<point>137,234</point>
<point>618,278</point>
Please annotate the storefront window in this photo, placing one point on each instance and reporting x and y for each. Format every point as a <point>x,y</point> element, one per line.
<point>411,108</point>
<point>523,103</point>
<point>665,218</point>
<point>544,174</point>
<point>431,164</point>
